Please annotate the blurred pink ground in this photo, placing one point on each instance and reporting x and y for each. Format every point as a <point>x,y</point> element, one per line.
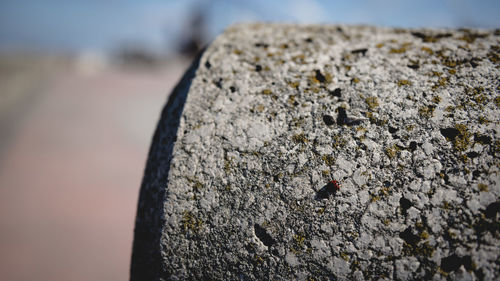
<point>70,177</point>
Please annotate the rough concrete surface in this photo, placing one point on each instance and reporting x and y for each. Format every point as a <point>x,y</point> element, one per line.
<point>239,182</point>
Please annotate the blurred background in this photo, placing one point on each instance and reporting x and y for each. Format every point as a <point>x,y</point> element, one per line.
<point>82,84</point>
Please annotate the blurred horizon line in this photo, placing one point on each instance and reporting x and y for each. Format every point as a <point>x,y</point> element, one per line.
<point>177,26</point>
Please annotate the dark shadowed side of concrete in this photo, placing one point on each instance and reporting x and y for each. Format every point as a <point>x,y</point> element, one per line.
<point>146,260</point>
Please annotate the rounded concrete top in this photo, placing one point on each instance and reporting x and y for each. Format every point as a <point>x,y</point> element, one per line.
<point>328,152</point>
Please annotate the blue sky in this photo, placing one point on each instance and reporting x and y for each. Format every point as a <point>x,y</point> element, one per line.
<point>101,25</point>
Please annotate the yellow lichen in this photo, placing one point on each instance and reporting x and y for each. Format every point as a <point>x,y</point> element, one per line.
<point>442,272</point>
<point>449,108</point>
<point>326,78</point>
<point>190,222</point>
<point>392,151</point>
<point>384,191</point>
<point>328,159</point>
<point>478,95</point>
<point>461,141</point>
<point>398,50</point>
<point>451,63</point>
<point>294,85</point>
<point>344,256</point>
<point>299,241</point>
<point>470,37</point>
<point>442,82</point>
<point>299,59</point>
<point>374,120</point>
<point>298,122</point>
<point>361,129</point>
<point>266,92</point>
<point>497,101</point>
<point>197,185</point>
<point>404,83</point>
<point>427,50</point>
<point>483,120</point>
<point>338,141</point>
<point>372,102</point>
<point>426,111</point>
<point>258,259</point>
<point>258,108</point>
<point>482,187</point>
<point>300,138</point>
<point>424,249</point>
<point>228,163</point>
<point>494,57</point>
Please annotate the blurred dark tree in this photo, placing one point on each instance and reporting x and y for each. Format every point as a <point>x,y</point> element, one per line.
<point>195,35</point>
